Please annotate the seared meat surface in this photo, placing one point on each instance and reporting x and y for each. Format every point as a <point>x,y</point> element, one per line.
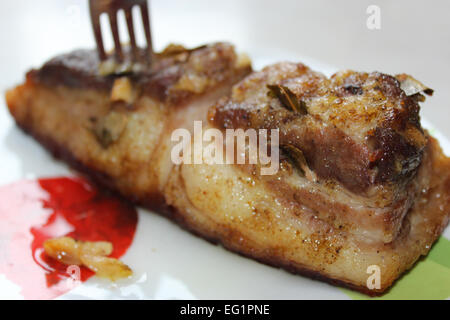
<point>359,129</point>
<point>355,204</point>
<point>176,74</point>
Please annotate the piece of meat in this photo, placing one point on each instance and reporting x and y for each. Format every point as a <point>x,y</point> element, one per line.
<point>359,133</point>
<point>69,87</point>
<point>118,131</point>
<point>230,206</point>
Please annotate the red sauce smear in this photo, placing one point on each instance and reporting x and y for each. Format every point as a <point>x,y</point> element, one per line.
<point>34,211</point>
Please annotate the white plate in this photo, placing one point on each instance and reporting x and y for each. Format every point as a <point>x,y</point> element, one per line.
<point>170,263</point>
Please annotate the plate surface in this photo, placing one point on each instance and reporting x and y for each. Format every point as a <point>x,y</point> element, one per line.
<point>170,263</point>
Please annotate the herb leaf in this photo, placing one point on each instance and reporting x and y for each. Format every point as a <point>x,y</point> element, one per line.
<point>297,157</point>
<point>412,86</point>
<point>287,98</point>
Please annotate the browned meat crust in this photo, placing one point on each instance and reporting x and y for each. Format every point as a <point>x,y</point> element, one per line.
<point>176,75</point>
<point>361,129</point>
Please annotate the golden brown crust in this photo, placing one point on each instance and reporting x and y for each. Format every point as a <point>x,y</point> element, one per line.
<point>174,77</point>
<point>360,129</point>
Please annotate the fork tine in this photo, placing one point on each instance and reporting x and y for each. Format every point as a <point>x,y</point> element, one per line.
<point>115,31</point>
<point>95,19</point>
<point>112,8</point>
<point>146,23</point>
<point>130,25</point>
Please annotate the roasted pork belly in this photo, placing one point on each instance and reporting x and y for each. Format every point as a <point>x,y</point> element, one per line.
<point>360,182</point>
<point>119,125</point>
<point>359,134</point>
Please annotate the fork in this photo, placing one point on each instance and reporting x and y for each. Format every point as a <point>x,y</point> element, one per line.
<point>111,8</point>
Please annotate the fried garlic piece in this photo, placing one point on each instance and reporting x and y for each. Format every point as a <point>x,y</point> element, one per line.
<point>65,250</point>
<point>122,90</point>
<point>105,267</point>
<point>98,248</point>
<point>92,255</point>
